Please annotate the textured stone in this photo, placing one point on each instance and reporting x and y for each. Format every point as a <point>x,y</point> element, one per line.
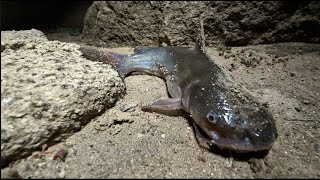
<point>48,91</point>
<point>161,23</point>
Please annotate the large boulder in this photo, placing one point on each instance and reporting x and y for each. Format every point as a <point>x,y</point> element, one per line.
<point>134,23</point>
<point>48,91</point>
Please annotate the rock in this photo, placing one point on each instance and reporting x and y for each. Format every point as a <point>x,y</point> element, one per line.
<point>145,23</point>
<point>292,74</point>
<point>298,109</point>
<point>48,92</point>
<point>257,165</point>
<point>9,173</point>
<point>305,101</point>
<point>129,107</point>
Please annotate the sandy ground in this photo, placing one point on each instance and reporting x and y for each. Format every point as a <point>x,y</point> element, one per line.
<point>126,142</point>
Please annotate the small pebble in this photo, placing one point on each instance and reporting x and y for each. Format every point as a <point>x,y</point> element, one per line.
<point>306,102</point>
<point>175,150</point>
<point>317,148</point>
<point>61,154</point>
<point>298,109</point>
<point>42,164</point>
<point>128,107</point>
<point>62,174</point>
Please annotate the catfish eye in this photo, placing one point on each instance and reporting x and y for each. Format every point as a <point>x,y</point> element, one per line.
<point>212,117</point>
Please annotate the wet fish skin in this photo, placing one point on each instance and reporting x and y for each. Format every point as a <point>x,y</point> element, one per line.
<point>200,87</point>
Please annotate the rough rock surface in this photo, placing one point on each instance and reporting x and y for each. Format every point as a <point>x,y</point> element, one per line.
<point>115,23</point>
<point>48,91</point>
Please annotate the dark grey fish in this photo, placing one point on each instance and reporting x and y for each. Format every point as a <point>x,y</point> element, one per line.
<point>230,117</point>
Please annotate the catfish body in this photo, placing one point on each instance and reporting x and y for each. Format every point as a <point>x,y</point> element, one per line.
<point>200,87</point>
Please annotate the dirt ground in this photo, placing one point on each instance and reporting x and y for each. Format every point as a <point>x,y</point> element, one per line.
<point>126,142</point>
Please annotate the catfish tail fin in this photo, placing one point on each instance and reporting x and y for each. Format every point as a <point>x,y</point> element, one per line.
<point>111,58</point>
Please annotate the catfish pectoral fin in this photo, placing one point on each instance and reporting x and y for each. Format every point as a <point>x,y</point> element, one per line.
<point>165,106</point>
<point>202,141</point>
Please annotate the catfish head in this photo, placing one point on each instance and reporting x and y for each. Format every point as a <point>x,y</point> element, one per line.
<point>230,123</point>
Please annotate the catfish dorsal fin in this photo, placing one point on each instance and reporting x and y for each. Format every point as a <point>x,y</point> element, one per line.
<point>200,43</point>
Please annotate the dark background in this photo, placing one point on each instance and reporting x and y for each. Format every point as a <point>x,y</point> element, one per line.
<point>42,15</point>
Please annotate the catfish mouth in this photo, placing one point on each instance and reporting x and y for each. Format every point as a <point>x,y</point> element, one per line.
<point>238,145</point>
